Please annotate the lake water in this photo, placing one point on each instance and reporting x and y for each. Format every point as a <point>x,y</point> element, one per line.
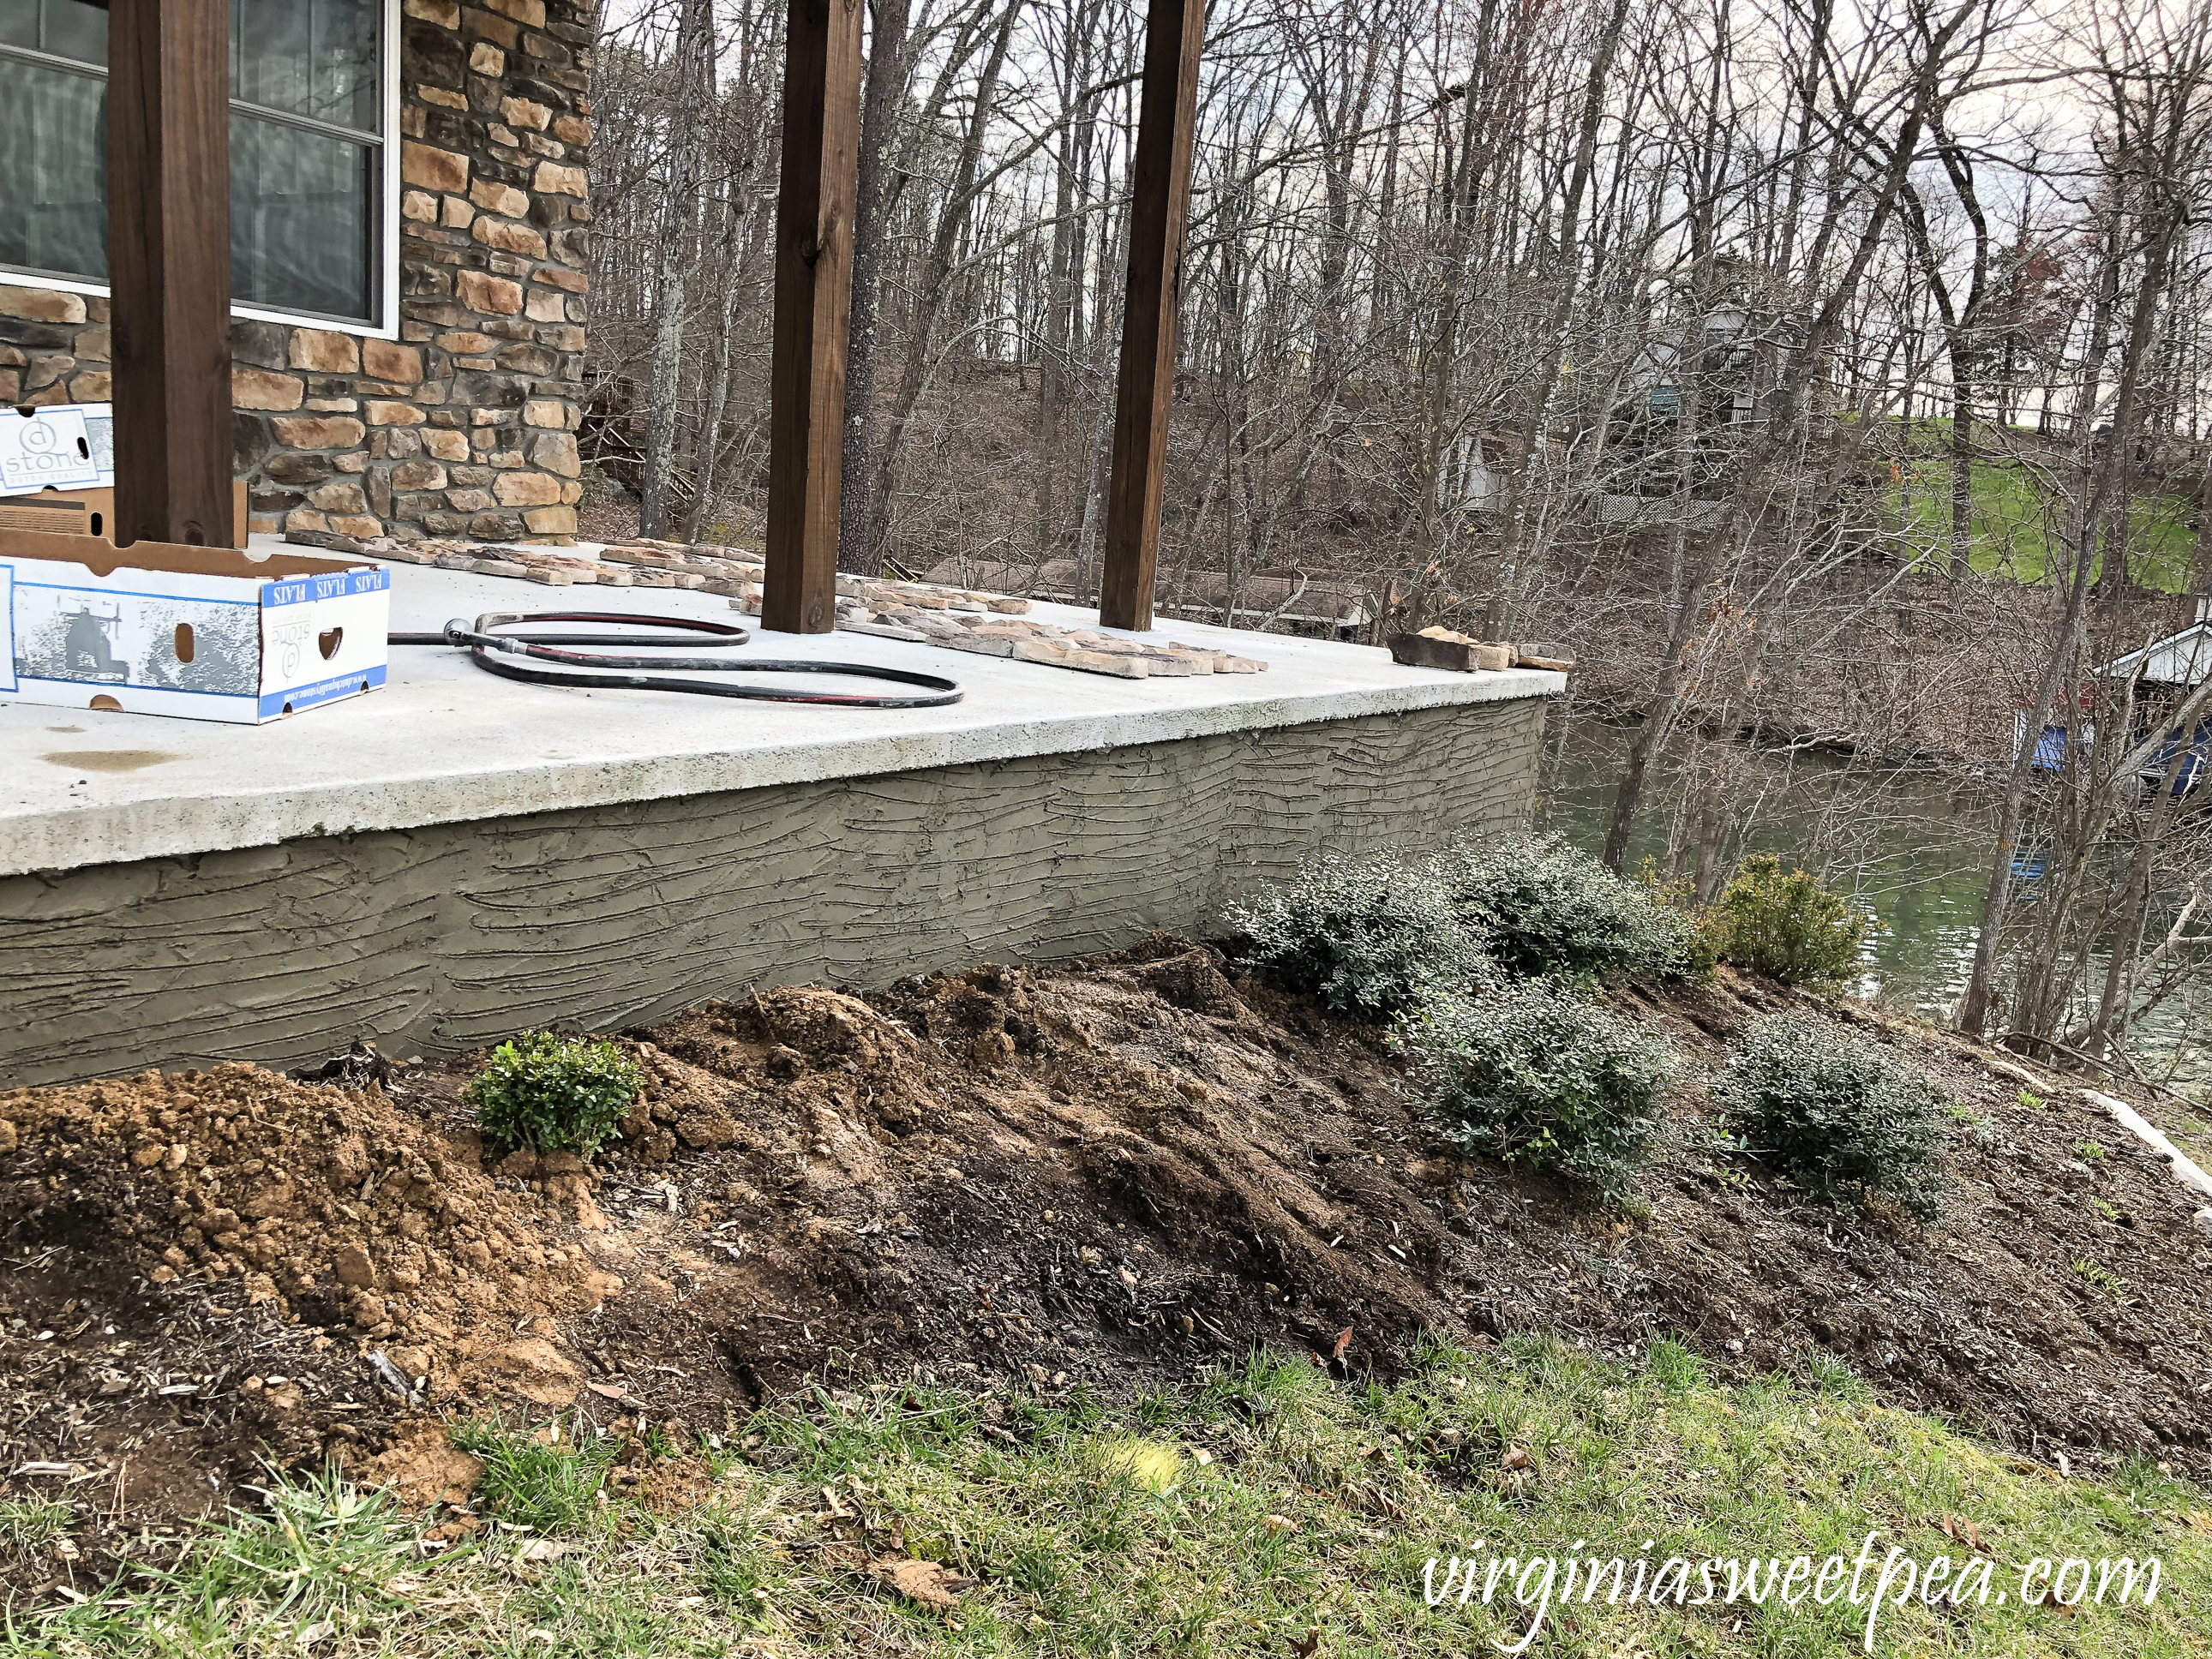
<point>1912,849</point>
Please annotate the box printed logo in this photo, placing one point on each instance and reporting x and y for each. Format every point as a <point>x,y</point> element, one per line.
<point>51,449</point>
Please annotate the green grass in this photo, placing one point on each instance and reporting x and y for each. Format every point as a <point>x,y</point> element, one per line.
<point>1315,1508</point>
<point>29,1523</point>
<point>2015,523</point>
<point>541,1486</point>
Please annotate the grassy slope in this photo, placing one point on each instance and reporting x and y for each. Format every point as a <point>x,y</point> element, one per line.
<point>1102,1533</point>
<point>2011,531</point>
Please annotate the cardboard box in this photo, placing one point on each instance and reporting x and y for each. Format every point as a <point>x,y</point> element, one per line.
<point>200,633</point>
<point>58,473</point>
<point>90,513</point>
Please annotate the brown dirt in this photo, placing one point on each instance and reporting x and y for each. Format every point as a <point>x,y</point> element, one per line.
<point>1102,1172</point>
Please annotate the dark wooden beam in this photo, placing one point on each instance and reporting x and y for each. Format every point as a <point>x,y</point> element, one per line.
<point>813,299</point>
<point>1159,214</point>
<point>168,257</point>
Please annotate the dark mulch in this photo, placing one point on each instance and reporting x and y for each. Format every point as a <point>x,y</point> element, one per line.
<point>1102,1173</point>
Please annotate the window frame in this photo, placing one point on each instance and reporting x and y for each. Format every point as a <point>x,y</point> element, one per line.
<point>385,260</point>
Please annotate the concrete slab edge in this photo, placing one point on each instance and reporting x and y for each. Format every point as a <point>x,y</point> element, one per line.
<point>179,827</point>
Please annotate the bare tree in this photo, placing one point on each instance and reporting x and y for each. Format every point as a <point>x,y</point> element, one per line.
<point>694,41</point>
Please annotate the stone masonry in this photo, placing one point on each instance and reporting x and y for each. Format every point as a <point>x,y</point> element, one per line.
<point>466,425</point>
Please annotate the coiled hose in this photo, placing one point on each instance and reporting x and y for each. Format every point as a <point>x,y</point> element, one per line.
<point>495,652</point>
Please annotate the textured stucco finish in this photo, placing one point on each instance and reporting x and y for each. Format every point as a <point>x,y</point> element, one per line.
<point>447,935</point>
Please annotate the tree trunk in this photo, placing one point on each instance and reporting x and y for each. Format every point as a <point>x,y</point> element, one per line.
<point>1712,820</point>
<point>1962,471</point>
<point>936,282</point>
<point>1095,467</point>
<point>2135,907</point>
<point>718,398</point>
<point>2100,498</point>
<point>884,101</point>
<point>2200,574</point>
<point>695,31</point>
<point>1059,300</point>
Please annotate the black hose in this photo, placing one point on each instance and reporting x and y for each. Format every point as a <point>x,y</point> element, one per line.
<point>493,652</point>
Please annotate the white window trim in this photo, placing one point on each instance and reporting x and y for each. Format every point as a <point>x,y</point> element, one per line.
<point>387,327</point>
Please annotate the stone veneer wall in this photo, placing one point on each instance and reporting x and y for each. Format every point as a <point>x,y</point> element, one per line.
<point>466,425</point>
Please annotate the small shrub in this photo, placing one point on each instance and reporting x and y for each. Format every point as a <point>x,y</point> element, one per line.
<point>1545,907</point>
<point>553,1094</point>
<point>1370,936</point>
<point>1840,1114</point>
<point>1784,924</point>
<point>1536,1074</point>
<point>2099,1275</point>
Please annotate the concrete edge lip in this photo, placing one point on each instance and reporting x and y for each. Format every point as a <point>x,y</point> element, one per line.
<point>488,754</point>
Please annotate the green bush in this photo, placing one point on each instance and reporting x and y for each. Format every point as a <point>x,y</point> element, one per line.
<point>1842,1114</point>
<point>553,1094</point>
<point>1371,936</point>
<point>1784,924</point>
<point>1536,1074</point>
<point>1545,907</point>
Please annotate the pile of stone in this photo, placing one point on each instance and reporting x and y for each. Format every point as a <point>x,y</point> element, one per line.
<point>740,572</point>
<point>1026,641</point>
<point>1464,653</point>
<point>701,565</point>
<point>956,619</point>
<point>529,564</point>
<point>990,624</point>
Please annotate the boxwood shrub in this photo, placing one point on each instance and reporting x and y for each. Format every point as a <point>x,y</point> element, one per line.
<point>553,1094</point>
<point>1842,1114</point>
<point>1537,1073</point>
<point>1543,906</point>
<point>1784,924</point>
<point>1370,936</point>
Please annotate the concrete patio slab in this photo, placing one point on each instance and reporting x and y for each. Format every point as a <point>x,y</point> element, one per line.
<point>445,742</point>
<point>459,857</point>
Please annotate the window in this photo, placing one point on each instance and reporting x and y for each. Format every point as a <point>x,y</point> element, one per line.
<point>312,193</point>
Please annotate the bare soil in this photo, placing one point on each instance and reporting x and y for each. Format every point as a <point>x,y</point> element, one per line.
<point>1102,1173</point>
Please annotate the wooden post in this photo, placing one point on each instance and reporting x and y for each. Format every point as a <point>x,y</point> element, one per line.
<point>813,299</point>
<point>1159,211</point>
<point>168,256</point>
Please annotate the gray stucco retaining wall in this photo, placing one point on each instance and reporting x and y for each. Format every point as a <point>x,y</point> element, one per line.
<point>442,937</point>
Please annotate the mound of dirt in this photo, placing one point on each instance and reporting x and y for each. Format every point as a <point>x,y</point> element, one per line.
<point>206,1267</point>
<point>1101,1171</point>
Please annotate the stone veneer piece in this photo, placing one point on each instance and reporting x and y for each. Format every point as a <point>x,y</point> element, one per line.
<point>466,424</point>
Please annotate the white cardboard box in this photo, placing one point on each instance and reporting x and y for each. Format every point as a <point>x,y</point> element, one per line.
<point>201,633</point>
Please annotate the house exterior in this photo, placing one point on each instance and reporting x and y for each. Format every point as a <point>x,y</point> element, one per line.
<point>409,183</point>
